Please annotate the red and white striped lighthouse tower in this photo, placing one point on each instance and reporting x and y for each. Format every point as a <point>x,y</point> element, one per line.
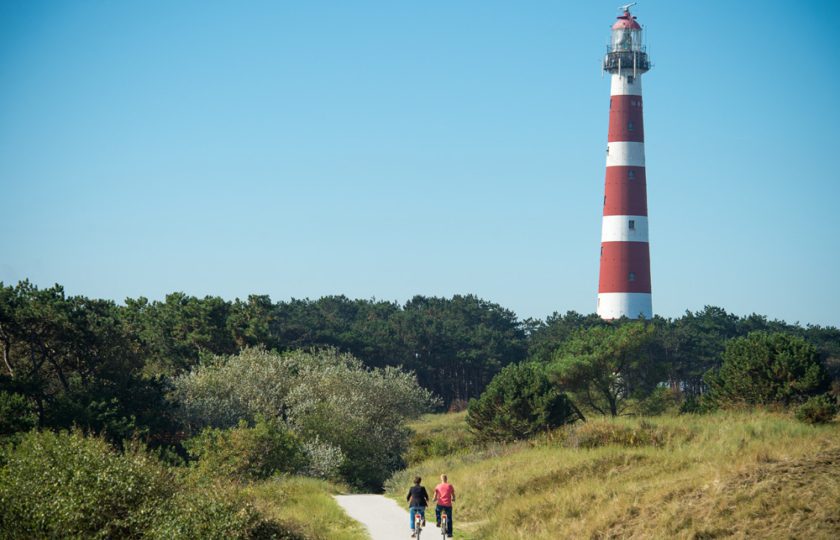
<point>624,284</point>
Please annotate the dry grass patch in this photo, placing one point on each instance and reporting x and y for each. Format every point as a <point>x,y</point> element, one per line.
<point>728,475</point>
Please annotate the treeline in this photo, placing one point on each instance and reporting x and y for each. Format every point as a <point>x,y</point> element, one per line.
<point>74,360</point>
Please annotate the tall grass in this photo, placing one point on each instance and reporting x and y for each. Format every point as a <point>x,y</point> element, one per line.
<point>305,505</point>
<point>738,475</point>
<point>436,435</point>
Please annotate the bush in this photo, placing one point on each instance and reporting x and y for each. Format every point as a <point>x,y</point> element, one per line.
<point>323,460</point>
<point>817,410</point>
<point>209,514</point>
<point>68,485</point>
<point>660,401</point>
<point>247,453</point>
<point>518,403</point>
<point>766,369</point>
<point>329,399</point>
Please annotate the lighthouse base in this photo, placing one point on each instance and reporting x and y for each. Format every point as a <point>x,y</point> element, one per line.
<point>630,305</point>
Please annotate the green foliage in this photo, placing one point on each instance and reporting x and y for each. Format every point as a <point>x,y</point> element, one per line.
<point>454,345</point>
<point>766,369</point>
<point>660,401</point>
<point>15,414</point>
<point>329,399</point>
<point>817,410</point>
<point>247,453</point>
<point>77,363</point>
<point>70,486</point>
<point>211,514</point>
<point>67,485</point>
<point>603,368</point>
<point>439,435</point>
<point>546,337</point>
<point>519,402</point>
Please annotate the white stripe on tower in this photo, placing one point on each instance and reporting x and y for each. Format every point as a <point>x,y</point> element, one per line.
<point>624,229</point>
<point>624,285</point>
<point>625,153</point>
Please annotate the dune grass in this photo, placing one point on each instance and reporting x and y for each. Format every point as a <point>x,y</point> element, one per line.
<point>437,435</point>
<point>725,475</point>
<point>306,506</point>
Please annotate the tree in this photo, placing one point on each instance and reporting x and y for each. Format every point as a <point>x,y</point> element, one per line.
<point>74,362</point>
<point>767,368</point>
<point>602,368</point>
<point>457,345</point>
<point>519,403</point>
<point>546,337</point>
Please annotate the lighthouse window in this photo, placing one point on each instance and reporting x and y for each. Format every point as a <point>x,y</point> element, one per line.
<point>631,276</point>
<point>631,79</point>
<point>631,174</point>
<point>632,224</point>
<point>629,126</point>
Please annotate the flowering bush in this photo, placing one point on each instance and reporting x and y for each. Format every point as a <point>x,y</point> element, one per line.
<point>349,417</point>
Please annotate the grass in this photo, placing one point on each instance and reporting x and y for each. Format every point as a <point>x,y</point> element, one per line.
<point>305,505</point>
<point>437,435</point>
<point>725,475</point>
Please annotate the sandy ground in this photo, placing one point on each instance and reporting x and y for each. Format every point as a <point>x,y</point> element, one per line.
<point>383,518</point>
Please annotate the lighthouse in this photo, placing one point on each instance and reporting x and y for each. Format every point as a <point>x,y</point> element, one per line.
<point>624,285</point>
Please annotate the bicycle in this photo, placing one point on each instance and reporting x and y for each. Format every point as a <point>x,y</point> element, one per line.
<point>443,525</point>
<point>418,525</point>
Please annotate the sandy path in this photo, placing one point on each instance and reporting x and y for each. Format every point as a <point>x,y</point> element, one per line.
<point>383,518</point>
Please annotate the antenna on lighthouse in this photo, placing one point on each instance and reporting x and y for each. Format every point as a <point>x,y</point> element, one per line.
<point>626,7</point>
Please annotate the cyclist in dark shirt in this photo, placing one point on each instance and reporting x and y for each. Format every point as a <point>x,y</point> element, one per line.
<point>417,499</point>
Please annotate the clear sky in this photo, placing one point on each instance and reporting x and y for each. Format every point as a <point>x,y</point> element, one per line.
<point>387,149</point>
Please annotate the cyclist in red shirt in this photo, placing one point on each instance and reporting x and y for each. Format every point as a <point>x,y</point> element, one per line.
<point>444,496</point>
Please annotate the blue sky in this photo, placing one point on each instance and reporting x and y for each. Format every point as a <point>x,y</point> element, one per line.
<point>386,149</point>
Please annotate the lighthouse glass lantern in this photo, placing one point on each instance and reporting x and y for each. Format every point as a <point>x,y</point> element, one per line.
<point>626,37</point>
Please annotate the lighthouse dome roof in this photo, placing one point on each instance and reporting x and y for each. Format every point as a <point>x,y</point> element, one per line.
<point>626,21</point>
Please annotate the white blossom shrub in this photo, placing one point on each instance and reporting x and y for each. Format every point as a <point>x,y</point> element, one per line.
<point>327,397</point>
<point>324,459</point>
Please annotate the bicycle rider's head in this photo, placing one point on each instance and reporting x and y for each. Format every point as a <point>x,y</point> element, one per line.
<point>417,480</point>
<point>443,478</point>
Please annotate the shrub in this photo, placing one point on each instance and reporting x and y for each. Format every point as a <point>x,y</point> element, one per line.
<point>766,369</point>
<point>211,515</point>
<point>660,401</point>
<point>518,403</point>
<point>68,485</point>
<point>817,410</point>
<point>323,460</point>
<point>324,396</point>
<point>247,453</point>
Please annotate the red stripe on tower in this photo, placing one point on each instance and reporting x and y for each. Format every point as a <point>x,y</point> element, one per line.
<point>624,285</point>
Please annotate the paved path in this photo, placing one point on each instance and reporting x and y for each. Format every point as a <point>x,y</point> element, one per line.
<point>383,518</point>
